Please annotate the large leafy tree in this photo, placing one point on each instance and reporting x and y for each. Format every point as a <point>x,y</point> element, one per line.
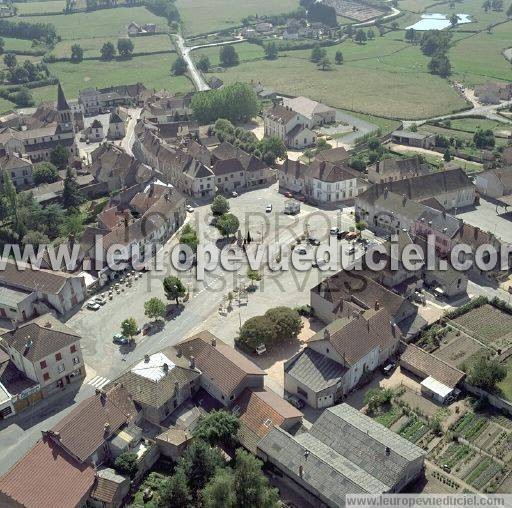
<point>287,322</point>
<point>126,464</point>
<point>220,205</point>
<point>129,327</point>
<point>108,51</point>
<point>45,172</point>
<point>219,492</point>
<point>228,224</point>
<point>218,428</point>
<point>174,288</point>
<point>251,485</point>
<point>258,330</point>
<point>179,66</point>
<point>77,53</point>
<point>199,464</point>
<point>228,56</point>
<point>125,47</point>
<point>189,237</point>
<point>59,157</point>
<point>71,197</point>
<point>175,491</point>
<point>154,308</point>
<point>485,372</point>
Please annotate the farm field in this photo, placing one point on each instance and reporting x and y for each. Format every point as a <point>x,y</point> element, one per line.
<point>39,7</point>
<point>456,349</point>
<point>488,324</point>
<point>478,58</point>
<point>356,85</point>
<point>91,47</point>
<point>222,14</point>
<point>12,44</point>
<point>101,23</point>
<point>473,124</point>
<point>460,134</point>
<point>152,70</point>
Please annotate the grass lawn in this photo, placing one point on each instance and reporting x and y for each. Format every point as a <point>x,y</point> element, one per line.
<point>17,44</point>
<point>153,71</point>
<point>385,77</point>
<point>103,23</point>
<point>478,58</point>
<point>481,18</point>
<point>200,16</point>
<point>37,7</point>
<point>6,105</point>
<point>92,46</point>
<point>506,385</point>
<point>473,124</point>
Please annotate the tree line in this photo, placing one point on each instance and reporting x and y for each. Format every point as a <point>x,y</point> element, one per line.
<point>44,32</point>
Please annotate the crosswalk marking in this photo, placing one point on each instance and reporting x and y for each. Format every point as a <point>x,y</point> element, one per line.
<point>98,382</point>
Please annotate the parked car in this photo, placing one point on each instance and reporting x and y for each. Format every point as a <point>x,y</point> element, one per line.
<point>92,305</point>
<point>120,339</point>
<point>388,368</point>
<point>351,250</point>
<point>352,235</point>
<point>295,401</point>
<point>319,262</point>
<point>288,195</point>
<point>334,231</point>
<point>261,349</point>
<point>234,194</point>
<point>190,208</point>
<point>268,209</point>
<point>302,251</point>
<point>100,300</point>
<point>314,241</point>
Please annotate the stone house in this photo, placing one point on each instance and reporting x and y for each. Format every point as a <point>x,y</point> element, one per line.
<point>291,127</point>
<point>334,362</point>
<point>389,170</point>
<point>495,183</point>
<point>47,352</point>
<point>116,126</point>
<point>19,169</point>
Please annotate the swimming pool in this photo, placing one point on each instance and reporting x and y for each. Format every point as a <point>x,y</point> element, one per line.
<point>435,21</point>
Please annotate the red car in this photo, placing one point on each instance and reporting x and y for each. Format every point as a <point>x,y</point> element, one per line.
<point>288,195</point>
<point>301,198</point>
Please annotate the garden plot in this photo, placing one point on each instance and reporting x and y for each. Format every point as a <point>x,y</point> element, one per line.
<point>470,426</point>
<point>456,348</point>
<point>414,429</point>
<point>488,324</point>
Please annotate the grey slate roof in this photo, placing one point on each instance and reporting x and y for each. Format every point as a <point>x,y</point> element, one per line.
<point>314,370</point>
<point>348,431</point>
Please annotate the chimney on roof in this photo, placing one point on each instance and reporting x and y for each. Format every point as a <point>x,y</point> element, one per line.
<point>430,223</point>
<point>176,387</point>
<point>385,192</point>
<point>179,354</point>
<point>377,167</point>
<point>214,341</point>
<point>388,450</point>
<point>146,358</point>
<point>192,362</point>
<point>377,305</point>
<point>48,324</point>
<point>301,470</point>
<point>404,200</point>
<point>165,368</point>
<point>327,334</point>
<point>107,428</point>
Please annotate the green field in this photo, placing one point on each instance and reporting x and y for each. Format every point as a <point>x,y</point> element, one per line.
<point>506,385</point>
<point>201,16</point>
<point>473,124</point>
<point>39,7</point>
<point>479,58</point>
<point>152,70</point>
<point>101,23</point>
<point>12,44</point>
<point>91,47</point>
<point>385,77</point>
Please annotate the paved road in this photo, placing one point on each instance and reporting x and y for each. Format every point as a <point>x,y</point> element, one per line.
<point>488,111</point>
<point>197,77</point>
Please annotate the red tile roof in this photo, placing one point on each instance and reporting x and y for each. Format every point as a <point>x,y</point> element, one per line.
<point>221,364</point>
<point>47,477</point>
<point>261,409</point>
<point>84,429</point>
